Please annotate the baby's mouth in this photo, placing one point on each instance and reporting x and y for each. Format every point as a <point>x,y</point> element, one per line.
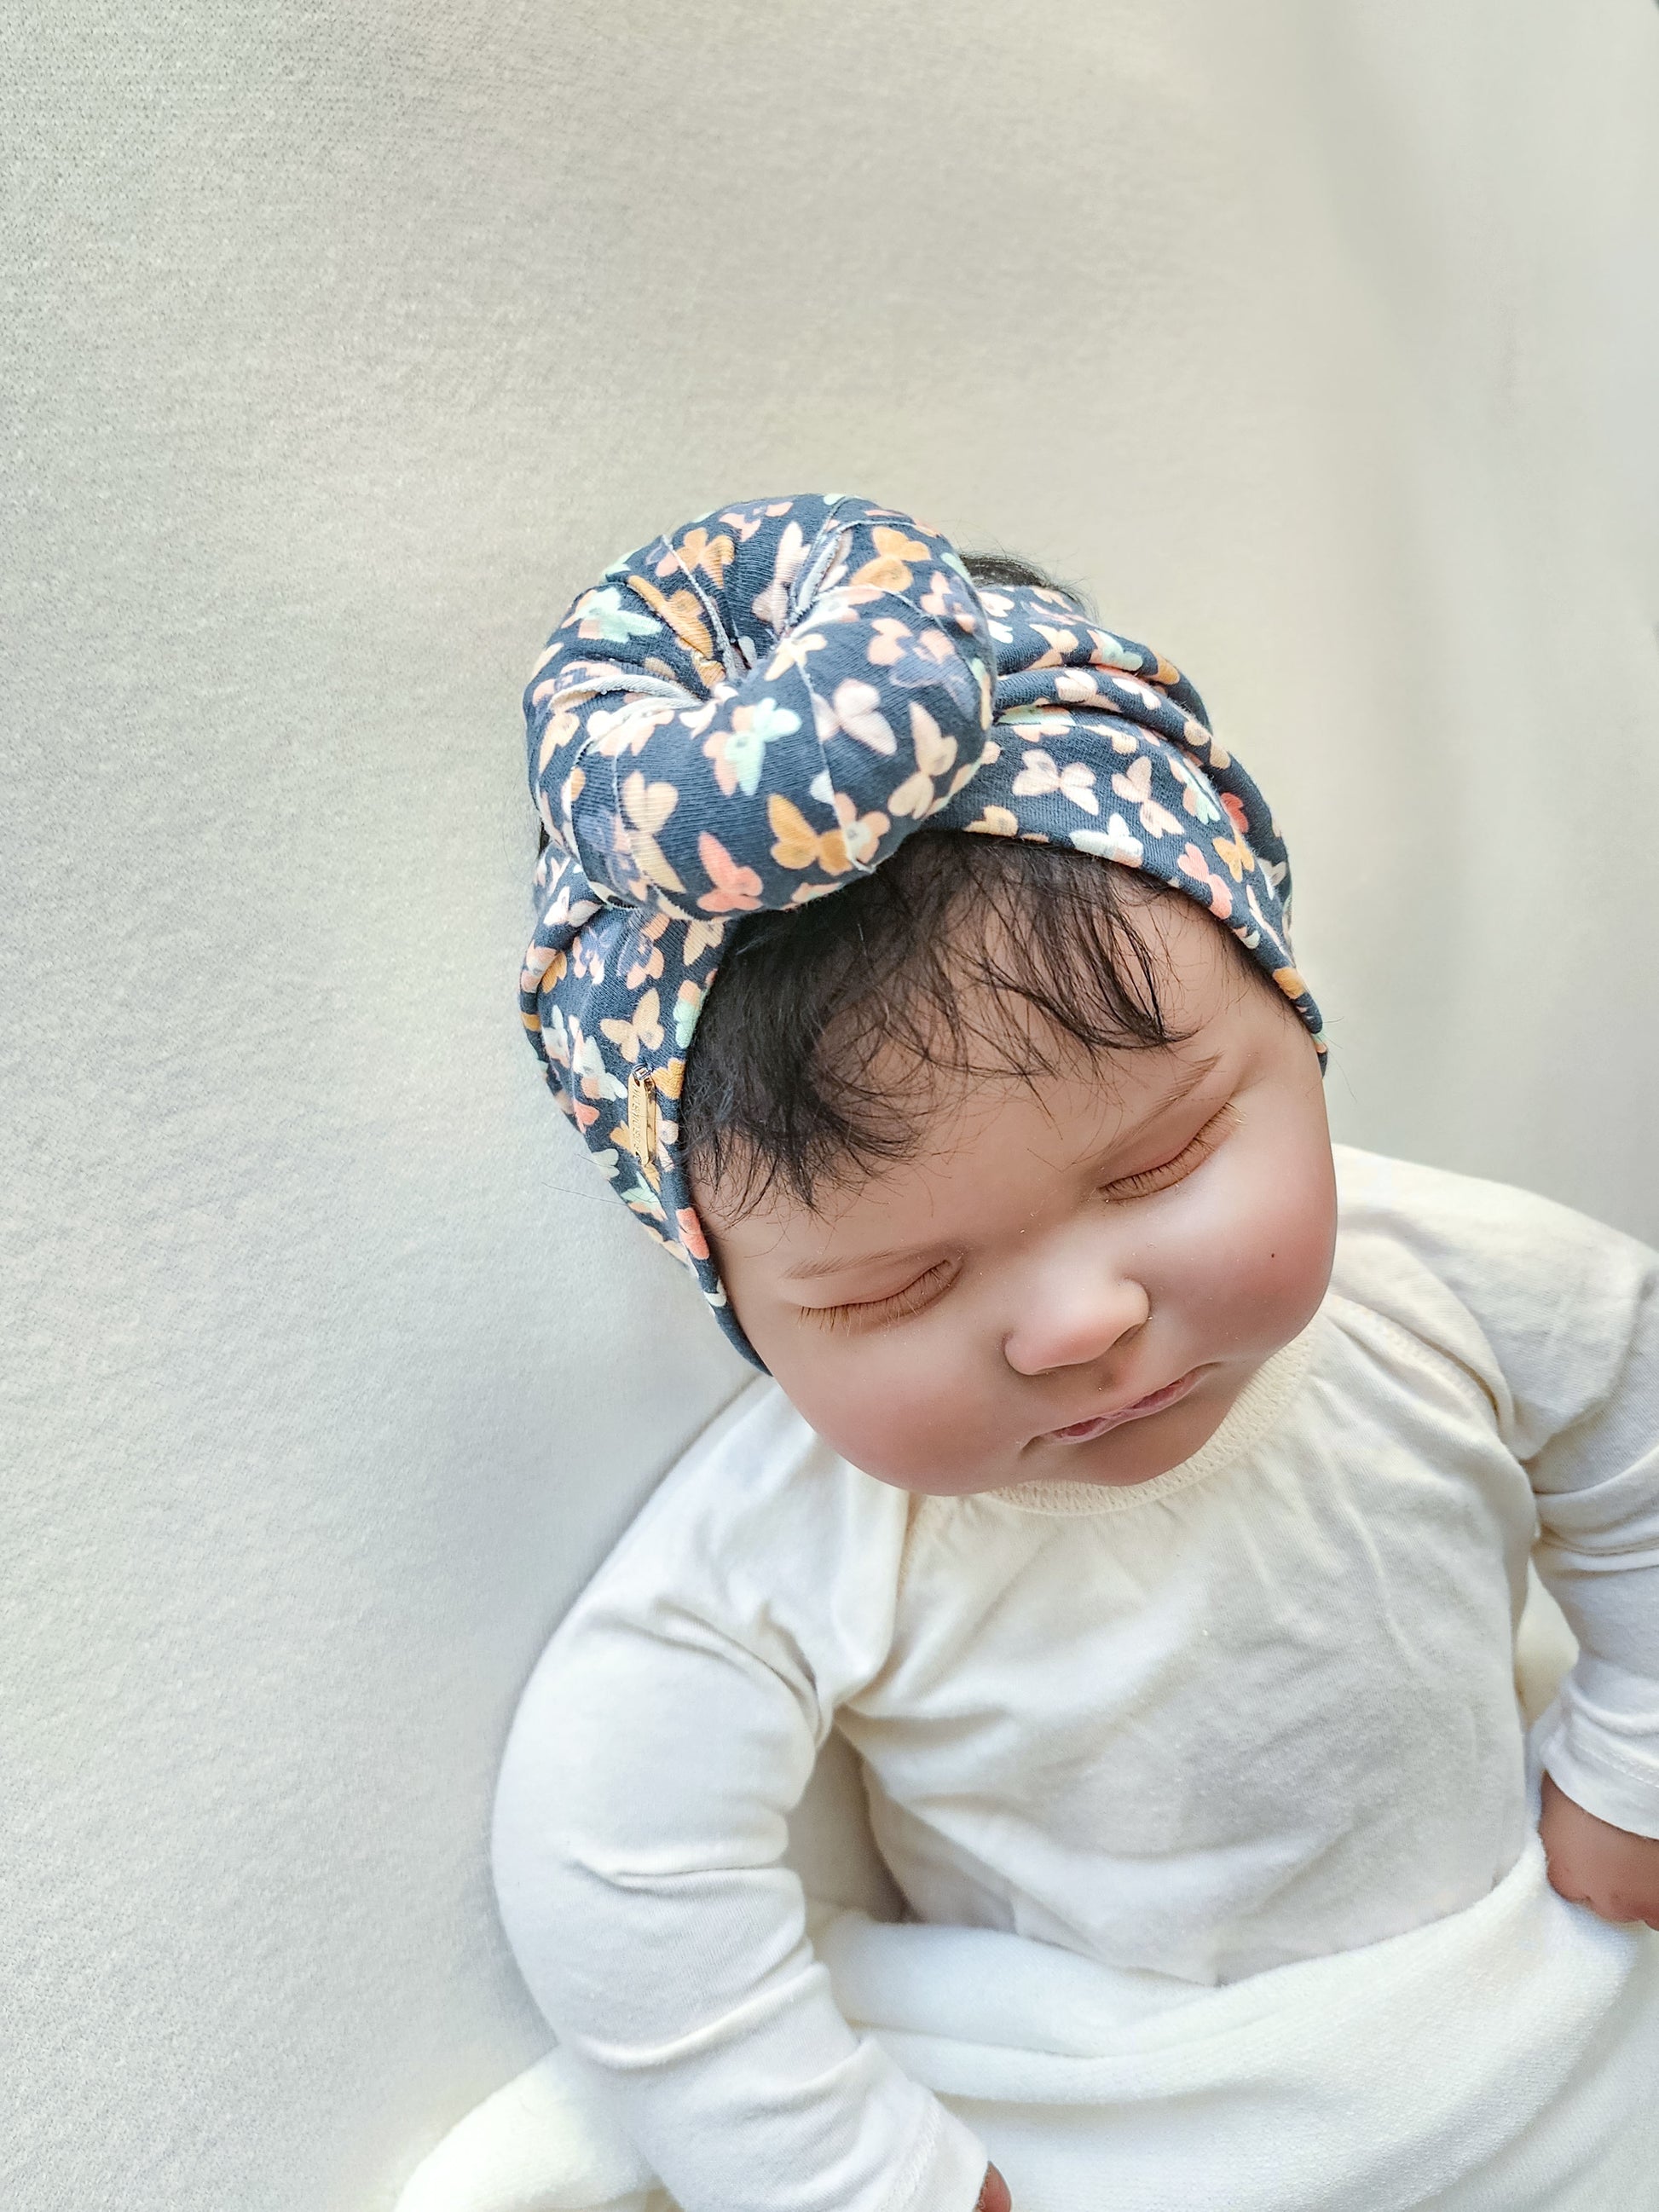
<point>1082,1432</point>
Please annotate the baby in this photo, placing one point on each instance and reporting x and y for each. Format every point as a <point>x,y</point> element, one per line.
<point>1144,1488</point>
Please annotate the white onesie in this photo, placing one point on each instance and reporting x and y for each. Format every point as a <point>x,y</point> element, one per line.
<point>1258,1709</point>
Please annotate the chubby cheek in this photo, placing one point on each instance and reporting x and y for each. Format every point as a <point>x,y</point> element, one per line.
<point>904,1410</point>
<point>1259,1275</point>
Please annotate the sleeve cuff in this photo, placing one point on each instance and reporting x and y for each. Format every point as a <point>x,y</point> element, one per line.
<point>1617,1783</point>
<point>947,2171</point>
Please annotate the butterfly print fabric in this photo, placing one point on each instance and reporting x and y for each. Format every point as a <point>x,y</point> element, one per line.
<point>762,706</point>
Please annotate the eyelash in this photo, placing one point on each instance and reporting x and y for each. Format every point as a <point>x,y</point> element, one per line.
<point>1136,1186</point>
<point>899,1306</point>
<point>873,1313</point>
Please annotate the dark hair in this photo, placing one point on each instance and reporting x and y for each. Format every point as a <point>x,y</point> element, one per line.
<point>1008,568</point>
<point>829,1025</point>
<point>826,1020</point>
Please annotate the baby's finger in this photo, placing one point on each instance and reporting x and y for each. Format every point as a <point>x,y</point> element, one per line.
<point>994,2196</point>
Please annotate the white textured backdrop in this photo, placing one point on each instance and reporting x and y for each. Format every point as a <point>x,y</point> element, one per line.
<point>342,344</point>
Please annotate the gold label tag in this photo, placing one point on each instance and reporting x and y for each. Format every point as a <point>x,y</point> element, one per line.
<point>642,1124</point>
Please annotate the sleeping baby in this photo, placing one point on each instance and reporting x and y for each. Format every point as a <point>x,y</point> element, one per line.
<point>1144,1488</point>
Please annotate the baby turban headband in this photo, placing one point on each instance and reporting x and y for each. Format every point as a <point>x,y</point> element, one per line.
<point>761,707</point>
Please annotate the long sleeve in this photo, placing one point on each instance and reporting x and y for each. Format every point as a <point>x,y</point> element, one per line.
<point>667,1731</point>
<point>1557,1317</point>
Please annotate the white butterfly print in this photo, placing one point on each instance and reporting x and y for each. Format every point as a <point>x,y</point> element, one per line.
<point>1135,784</point>
<point>935,756</point>
<point>1113,842</point>
<point>855,709</point>
<point>1042,773</point>
<point>772,605</point>
<point>1198,798</point>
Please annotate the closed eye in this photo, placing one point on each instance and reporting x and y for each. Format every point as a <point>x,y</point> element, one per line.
<point>898,1305</point>
<point>1175,1170</point>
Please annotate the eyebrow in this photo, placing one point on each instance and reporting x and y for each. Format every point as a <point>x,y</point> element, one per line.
<point>1201,1071</point>
<point>812,1271</point>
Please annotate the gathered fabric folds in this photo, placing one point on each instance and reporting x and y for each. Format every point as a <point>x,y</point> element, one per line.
<point>1503,2059</point>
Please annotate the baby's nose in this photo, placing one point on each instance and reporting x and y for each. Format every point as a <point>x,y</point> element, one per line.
<point>1074,1321</point>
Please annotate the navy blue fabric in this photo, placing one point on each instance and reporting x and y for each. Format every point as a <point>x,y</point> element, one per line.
<point>758,708</point>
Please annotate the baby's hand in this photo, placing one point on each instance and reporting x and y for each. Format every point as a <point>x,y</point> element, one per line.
<point>1594,1863</point>
<point>993,2197</point>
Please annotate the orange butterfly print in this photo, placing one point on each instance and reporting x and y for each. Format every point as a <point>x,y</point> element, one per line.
<point>684,615</point>
<point>1194,864</point>
<point>887,571</point>
<point>1235,855</point>
<point>697,549</point>
<point>647,807</point>
<point>543,968</point>
<point>800,847</point>
<point>690,1229</point>
<point>736,890</point>
<point>701,936</point>
<point>642,1030</point>
<point>792,652</point>
<point>1198,740</point>
<point>997,822</point>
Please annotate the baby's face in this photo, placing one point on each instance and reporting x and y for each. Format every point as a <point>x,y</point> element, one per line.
<point>1069,1281</point>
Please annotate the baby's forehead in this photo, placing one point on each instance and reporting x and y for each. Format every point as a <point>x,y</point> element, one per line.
<point>806,1096</point>
<point>995,1015</point>
<point>1045,1129</point>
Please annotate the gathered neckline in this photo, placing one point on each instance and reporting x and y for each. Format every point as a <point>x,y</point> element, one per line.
<point>1252,1413</point>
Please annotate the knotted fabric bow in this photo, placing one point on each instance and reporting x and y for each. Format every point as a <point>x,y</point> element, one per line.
<point>762,706</point>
